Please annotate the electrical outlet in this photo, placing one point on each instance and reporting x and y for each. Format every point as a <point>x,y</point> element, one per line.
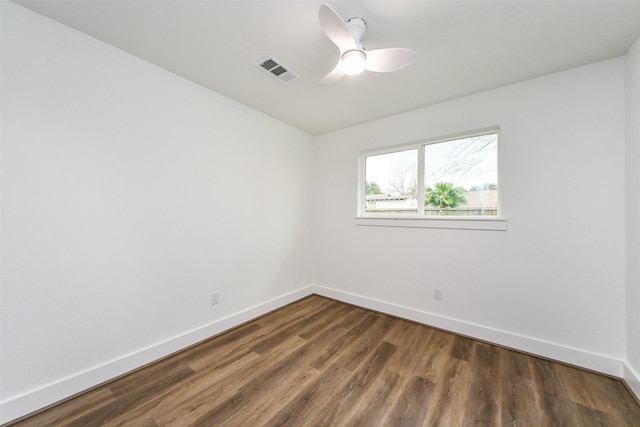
<point>215,298</point>
<point>437,293</point>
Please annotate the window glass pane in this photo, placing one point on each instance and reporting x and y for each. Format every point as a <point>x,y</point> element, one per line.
<point>391,182</point>
<point>461,176</point>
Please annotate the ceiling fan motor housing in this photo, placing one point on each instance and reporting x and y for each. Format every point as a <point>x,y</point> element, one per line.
<point>357,28</point>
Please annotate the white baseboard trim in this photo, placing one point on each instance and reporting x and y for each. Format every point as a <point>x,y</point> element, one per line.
<point>632,378</point>
<point>21,405</point>
<point>573,356</point>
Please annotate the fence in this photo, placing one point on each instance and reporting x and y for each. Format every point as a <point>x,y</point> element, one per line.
<point>462,211</point>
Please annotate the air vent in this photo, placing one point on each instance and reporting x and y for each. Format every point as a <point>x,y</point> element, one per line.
<point>277,69</point>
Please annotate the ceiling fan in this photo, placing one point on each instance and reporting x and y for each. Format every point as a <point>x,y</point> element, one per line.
<point>353,57</point>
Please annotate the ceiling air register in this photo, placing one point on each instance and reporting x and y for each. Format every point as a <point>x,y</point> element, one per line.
<point>277,69</point>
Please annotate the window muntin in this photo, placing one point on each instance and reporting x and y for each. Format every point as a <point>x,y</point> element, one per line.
<point>459,178</point>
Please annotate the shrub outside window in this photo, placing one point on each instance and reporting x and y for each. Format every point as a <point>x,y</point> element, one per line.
<point>448,177</point>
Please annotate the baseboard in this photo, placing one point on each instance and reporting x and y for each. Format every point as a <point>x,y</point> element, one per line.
<point>19,406</point>
<point>584,359</point>
<point>632,378</point>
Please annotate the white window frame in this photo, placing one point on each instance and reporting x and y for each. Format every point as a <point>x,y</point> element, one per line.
<point>419,220</point>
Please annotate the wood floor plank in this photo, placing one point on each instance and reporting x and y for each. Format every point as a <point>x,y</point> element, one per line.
<point>484,389</point>
<point>579,388</point>
<point>311,400</point>
<point>413,342</point>
<point>295,327</point>
<point>348,396</point>
<point>412,405</point>
<point>375,401</point>
<point>450,394</point>
<point>586,415</point>
<point>327,317</point>
<point>366,342</point>
<point>270,386</point>
<point>217,393</point>
<point>189,393</point>
<point>265,408</point>
<point>226,348</point>
<point>433,360</point>
<point>555,405</point>
<point>517,391</point>
<point>615,397</point>
<point>319,362</point>
<point>104,413</point>
<point>462,348</point>
<point>220,414</point>
<point>71,410</point>
<point>344,341</point>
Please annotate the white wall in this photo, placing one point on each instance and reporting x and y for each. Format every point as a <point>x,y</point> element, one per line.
<point>554,282</point>
<point>632,374</point>
<point>128,196</point>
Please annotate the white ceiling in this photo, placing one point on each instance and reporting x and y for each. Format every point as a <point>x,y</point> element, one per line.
<point>463,47</point>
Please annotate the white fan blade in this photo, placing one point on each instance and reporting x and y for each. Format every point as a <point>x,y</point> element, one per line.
<point>387,60</point>
<point>336,29</point>
<point>333,76</point>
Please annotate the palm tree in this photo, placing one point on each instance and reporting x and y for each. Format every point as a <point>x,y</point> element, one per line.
<point>444,195</point>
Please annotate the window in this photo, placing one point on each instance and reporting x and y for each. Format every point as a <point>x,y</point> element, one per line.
<point>450,178</point>
<point>391,182</point>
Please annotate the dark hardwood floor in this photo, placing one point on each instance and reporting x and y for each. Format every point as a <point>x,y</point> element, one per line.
<point>319,362</point>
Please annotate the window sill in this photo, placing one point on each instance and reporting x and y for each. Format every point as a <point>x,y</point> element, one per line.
<point>457,223</point>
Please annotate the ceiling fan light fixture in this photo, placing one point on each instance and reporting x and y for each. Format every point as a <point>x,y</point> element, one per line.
<point>353,61</point>
<point>347,36</point>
